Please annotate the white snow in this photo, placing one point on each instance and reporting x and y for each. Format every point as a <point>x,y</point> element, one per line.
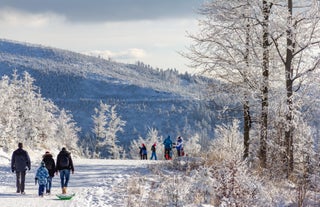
<point>96,183</point>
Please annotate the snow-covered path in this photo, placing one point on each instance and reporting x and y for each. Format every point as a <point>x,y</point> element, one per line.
<point>97,183</point>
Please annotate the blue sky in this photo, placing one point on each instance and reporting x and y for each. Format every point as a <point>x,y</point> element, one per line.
<point>152,31</point>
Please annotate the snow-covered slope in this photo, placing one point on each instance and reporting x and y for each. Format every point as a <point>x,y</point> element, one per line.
<point>145,97</point>
<point>96,183</point>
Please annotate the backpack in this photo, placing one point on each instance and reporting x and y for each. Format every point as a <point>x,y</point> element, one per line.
<point>64,161</point>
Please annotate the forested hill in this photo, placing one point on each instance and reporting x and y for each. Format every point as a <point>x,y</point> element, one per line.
<point>145,97</point>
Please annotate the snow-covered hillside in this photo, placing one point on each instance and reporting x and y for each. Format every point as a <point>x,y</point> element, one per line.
<point>146,98</point>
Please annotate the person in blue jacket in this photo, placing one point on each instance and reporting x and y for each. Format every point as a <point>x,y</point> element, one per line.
<point>41,177</point>
<point>167,148</point>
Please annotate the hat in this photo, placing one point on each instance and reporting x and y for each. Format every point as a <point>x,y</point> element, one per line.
<point>47,152</point>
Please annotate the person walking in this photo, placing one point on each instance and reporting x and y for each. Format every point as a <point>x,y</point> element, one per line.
<point>153,152</point>
<point>47,158</point>
<point>20,162</point>
<point>41,177</point>
<point>167,148</point>
<point>64,165</point>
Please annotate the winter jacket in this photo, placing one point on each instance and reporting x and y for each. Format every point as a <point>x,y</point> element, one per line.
<point>143,150</point>
<point>42,175</point>
<point>167,143</point>
<point>64,153</point>
<point>20,160</point>
<point>153,148</point>
<point>50,164</point>
<point>179,144</point>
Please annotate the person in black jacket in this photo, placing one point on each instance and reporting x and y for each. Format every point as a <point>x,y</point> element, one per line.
<point>20,162</point>
<point>63,166</point>
<point>51,167</point>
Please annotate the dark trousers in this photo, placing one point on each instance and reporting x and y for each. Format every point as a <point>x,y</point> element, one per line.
<point>144,157</point>
<point>49,184</point>
<point>41,190</point>
<point>167,154</point>
<point>21,178</point>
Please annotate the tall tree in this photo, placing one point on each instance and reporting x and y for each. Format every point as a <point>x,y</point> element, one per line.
<point>99,129</point>
<point>301,34</point>
<point>227,48</point>
<point>266,9</point>
<point>107,123</point>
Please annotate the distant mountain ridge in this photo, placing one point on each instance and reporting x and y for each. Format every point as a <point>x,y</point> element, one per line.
<point>145,97</point>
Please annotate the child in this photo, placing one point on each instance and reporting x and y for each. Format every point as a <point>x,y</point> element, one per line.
<point>42,176</point>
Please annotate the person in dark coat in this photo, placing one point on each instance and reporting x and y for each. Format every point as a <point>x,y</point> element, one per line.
<point>64,165</point>
<point>143,152</point>
<point>20,162</point>
<point>51,167</point>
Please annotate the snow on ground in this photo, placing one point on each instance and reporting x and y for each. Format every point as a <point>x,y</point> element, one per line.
<point>97,183</point>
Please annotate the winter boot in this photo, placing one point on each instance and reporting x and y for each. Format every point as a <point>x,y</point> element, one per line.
<point>64,190</point>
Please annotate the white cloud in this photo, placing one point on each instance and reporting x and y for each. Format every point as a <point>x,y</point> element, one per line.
<point>16,18</point>
<point>127,55</point>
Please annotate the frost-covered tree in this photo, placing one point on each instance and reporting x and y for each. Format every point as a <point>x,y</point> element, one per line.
<point>100,123</point>
<point>296,39</point>
<point>27,117</point>
<point>67,131</point>
<point>115,125</point>
<point>151,138</point>
<point>192,146</point>
<point>266,51</point>
<point>107,123</point>
<point>233,46</point>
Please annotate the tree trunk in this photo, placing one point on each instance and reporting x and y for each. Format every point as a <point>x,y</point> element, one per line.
<point>246,128</point>
<point>289,89</point>
<point>246,107</point>
<point>265,86</point>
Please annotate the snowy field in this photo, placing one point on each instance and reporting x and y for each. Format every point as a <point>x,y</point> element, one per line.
<point>95,182</point>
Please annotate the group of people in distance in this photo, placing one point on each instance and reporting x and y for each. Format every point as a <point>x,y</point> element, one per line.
<point>168,146</point>
<point>20,163</point>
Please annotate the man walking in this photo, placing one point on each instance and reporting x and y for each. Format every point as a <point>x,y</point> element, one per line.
<point>63,166</point>
<point>20,162</point>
